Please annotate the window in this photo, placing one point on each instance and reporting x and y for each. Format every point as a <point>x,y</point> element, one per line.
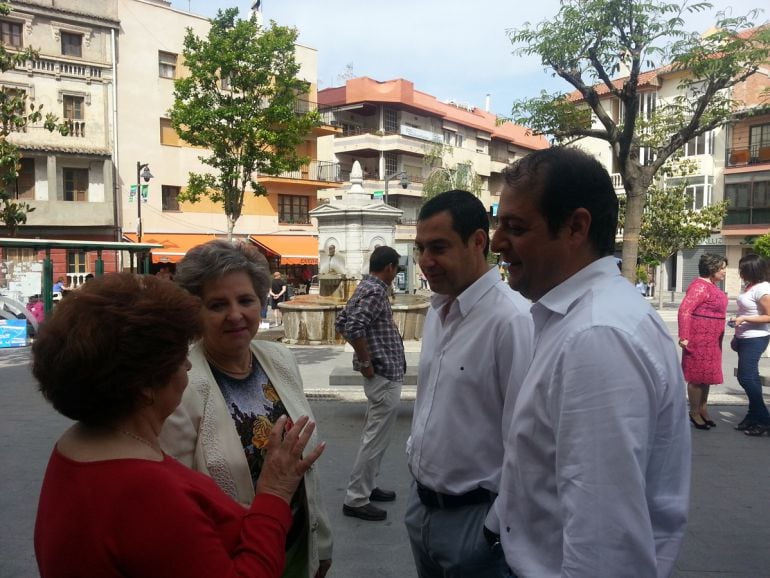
<point>75,184</point>
<point>10,33</point>
<point>15,99</point>
<point>700,145</point>
<point>698,188</point>
<point>73,107</point>
<point>759,138</point>
<point>482,146</point>
<point>170,193</point>
<point>390,120</point>
<point>71,44</point>
<point>293,209</point>
<point>168,135</point>
<point>391,163</point>
<point>458,140</point>
<point>166,64</point>
<point>749,203</point>
<point>76,261</point>
<point>23,187</point>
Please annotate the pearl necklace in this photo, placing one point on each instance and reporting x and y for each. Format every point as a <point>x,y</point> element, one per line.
<point>232,372</point>
<point>140,439</point>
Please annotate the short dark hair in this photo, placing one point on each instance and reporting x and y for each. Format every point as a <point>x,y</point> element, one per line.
<point>467,212</point>
<point>381,257</point>
<point>753,268</point>
<point>710,263</point>
<point>112,338</point>
<point>563,179</point>
<point>215,259</point>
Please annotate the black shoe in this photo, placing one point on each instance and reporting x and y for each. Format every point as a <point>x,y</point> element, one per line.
<point>745,424</point>
<point>709,422</point>
<point>698,425</point>
<point>367,512</point>
<point>758,430</point>
<point>379,495</point>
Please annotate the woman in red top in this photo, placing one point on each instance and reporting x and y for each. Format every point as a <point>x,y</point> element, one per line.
<point>701,329</point>
<point>113,357</point>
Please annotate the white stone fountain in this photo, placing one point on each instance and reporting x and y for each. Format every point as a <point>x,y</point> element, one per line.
<point>348,231</point>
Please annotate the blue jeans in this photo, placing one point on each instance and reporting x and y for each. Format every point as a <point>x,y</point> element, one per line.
<point>749,352</point>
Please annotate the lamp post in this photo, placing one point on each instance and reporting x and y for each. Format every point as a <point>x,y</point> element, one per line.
<point>142,172</point>
<point>404,182</point>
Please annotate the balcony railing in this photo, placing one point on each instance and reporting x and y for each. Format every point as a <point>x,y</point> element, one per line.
<point>76,128</point>
<point>316,171</point>
<point>62,68</point>
<point>617,181</point>
<point>304,106</point>
<point>753,155</point>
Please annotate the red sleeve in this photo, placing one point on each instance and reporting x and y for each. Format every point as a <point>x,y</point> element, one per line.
<point>199,532</point>
<point>697,294</point>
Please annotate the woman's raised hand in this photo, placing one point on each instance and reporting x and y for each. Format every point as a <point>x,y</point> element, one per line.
<point>284,465</point>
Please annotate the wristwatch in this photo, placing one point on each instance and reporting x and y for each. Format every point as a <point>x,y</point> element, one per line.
<point>365,364</point>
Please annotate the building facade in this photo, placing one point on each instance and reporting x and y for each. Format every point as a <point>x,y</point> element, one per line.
<point>67,177</point>
<point>150,58</point>
<point>394,131</point>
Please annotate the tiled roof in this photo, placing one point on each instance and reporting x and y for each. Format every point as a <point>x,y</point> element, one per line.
<point>48,148</point>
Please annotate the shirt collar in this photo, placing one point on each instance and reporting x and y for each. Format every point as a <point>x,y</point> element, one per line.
<point>468,298</point>
<point>374,279</point>
<point>560,298</point>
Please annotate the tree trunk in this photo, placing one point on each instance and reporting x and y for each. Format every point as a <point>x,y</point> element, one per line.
<point>633,225</point>
<point>230,227</point>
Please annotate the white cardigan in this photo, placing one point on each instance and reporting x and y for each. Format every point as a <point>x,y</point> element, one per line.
<point>201,434</point>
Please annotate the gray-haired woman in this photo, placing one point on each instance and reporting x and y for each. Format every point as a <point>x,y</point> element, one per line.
<point>238,388</point>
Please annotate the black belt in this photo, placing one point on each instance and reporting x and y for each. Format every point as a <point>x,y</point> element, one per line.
<point>707,316</point>
<point>433,499</point>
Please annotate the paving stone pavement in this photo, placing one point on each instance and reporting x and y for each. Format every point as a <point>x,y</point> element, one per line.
<point>727,536</point>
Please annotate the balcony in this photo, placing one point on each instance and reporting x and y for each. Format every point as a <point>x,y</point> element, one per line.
<point>304,106</point>
<point>325,171</point>
<point>59,68</point>
<point>75,128</point>
<point>754,155</point>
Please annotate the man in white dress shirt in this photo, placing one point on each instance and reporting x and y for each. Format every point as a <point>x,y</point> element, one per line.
<point>596,474</point>
<point>477,345</point>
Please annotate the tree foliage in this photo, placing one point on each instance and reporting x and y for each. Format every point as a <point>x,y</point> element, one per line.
<point>242,102</point>
<point>444,175</point>
<point>590,42</point>
<point>16,113</point>
<point>761,245</point>
<point>670,222</point>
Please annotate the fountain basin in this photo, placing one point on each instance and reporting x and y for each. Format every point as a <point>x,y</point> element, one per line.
<point>309,319</point>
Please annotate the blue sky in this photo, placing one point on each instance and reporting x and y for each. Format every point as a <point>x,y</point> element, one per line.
<point>452,50</point>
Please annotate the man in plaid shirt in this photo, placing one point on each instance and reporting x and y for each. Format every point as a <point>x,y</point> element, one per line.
<point>367,324</point>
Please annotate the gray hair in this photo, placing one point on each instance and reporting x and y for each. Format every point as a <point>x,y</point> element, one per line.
<point>215,259</point>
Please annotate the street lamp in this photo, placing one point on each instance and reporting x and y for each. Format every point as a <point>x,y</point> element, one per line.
<point>142,172</point>
<point>404,182</point>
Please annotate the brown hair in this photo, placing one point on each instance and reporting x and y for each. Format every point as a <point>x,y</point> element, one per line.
<point>111,339</point>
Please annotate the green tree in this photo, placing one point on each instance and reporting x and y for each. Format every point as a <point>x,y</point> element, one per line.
<point>443,175</point>
<point>15,114</point>
<point>590,41</point>
<point>241,102</point>
<point>762,245</point>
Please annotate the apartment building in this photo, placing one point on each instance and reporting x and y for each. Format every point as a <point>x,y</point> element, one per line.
<point>705,184</point>
<point>746,173</point>
<point>149,59</point>
<point>68,179</point>
<point>392,129</point>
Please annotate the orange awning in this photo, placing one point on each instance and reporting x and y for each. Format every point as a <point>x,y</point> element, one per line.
<point>293,249</point>
<point>175,245</point>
